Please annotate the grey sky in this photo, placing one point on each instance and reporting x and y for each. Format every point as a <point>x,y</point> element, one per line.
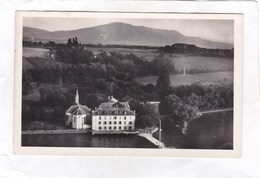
<point>217,30</point>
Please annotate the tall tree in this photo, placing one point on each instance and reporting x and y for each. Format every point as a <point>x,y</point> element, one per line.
<point>147,116</point>
<point>26,82</point>
<point>163,84</point>
<point>178,111</point>
<point>69,41</point>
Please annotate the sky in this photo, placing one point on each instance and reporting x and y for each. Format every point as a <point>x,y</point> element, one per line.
<point>216,30</point>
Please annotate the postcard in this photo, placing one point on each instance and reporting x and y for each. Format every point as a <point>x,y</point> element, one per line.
<point>128,84</point>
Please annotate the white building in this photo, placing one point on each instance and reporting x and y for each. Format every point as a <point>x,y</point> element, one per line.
<point>78,116</point>
<point>113,116</point>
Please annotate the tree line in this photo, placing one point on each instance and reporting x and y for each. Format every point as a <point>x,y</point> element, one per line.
<point>182,103</point>
<point>189,49</point>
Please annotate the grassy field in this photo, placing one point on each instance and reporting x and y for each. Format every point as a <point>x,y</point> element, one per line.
<point>176,80</point>
<point>40,63</point>
<point>180,60</point>
<point>36,52</point>
<point>148,54</point>
<point>38,58</point>
<point>200,62</point>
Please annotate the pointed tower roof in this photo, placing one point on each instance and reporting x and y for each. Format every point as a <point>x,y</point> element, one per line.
<point>77,97</point>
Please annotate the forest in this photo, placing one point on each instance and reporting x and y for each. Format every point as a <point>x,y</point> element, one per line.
<point>190,49</point>
<point>98,76</point>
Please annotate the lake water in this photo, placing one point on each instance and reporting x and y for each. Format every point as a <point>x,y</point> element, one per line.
<point>86,140</point>
<point>210,131</point>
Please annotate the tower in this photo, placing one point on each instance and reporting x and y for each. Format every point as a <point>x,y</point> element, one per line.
<point>77,97</point>
<point>77,115</point>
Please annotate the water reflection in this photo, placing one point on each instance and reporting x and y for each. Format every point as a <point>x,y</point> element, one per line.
<point>210,131</point>
<point>86,140</point>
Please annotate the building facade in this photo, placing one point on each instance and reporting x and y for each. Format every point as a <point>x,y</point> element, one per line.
<point>113,116</point>
<point>78,116</point>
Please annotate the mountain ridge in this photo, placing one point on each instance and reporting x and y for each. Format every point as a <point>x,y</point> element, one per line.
<point>120,33</point>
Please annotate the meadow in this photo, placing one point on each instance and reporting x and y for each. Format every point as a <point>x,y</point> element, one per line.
<point>38,58</point>
<point>41,63</point>
<point>180,60</point>
<point>36,52</point>
<point>179,79</point>
<point>146,54</point>
<point>200,62</point>
<point>221,68</point>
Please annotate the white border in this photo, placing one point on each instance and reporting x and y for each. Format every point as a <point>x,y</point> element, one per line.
<point>238,46</point>
<point>59,166</point>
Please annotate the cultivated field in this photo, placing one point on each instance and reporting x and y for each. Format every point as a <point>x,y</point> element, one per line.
<point>213,77</point>
<point>147,54</point>
<point>36,52</point>
<point>200,62</point>
<point>41,63</point>
<point>38,58</point>
<point>180,60</point>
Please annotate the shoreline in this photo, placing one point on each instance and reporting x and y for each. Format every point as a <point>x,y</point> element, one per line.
<point>75,131</point>
<point>148,136</point>
<point>68,131</point>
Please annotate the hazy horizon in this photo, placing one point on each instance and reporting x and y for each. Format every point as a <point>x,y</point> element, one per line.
<point>214,30</point>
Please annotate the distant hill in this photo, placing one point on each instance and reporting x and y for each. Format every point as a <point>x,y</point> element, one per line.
<point>123,34</point>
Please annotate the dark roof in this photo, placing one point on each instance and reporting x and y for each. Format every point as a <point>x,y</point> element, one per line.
<point>116,104</point>
<point>113,108</point>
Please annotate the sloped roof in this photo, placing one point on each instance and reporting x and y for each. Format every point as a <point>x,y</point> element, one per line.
<point>112,99</point>
<point>119,105</point>
<point>113,108</point>
<point>78,109</point>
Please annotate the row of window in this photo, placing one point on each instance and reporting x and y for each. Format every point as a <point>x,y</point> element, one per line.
<point>111,112</point>
<point>115,128</point>
<point>115,122</point>
<point>113,117</point>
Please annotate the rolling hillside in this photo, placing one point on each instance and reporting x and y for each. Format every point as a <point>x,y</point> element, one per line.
<point>123,34</point>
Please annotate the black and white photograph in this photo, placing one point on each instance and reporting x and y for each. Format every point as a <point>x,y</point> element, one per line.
<point>128,81</point>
